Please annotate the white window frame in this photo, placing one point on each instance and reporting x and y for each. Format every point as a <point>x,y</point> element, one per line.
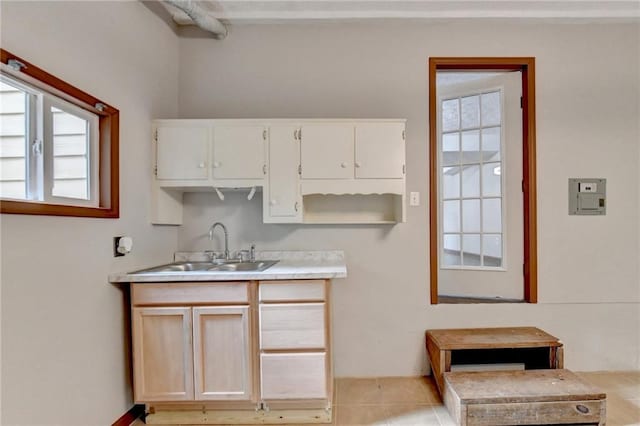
<point>39,146</point>
<point>503,169</point>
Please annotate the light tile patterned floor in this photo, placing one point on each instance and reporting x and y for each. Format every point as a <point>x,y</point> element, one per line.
<point>415,401</point>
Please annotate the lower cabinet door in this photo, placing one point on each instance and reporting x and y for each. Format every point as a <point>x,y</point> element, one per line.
<point>162,354</point>
<point>293,375</point>
<point>222,360</point>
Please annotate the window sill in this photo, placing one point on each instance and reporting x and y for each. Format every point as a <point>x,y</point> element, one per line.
<point>442,300</point>
<point>38,208</point>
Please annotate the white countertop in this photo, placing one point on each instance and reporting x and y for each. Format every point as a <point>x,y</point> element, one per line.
<point>291,265</point>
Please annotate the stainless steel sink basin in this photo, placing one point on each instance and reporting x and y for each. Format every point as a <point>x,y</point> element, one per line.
<point>217,266</point>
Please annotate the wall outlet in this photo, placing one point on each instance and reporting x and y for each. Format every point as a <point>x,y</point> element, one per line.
<point>116,242</point>
<point>414,198</point>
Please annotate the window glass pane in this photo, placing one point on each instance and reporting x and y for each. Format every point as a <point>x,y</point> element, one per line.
<point>450,115</point>
<point>13,142</point>
<point>450,148</point>
<point>471,147</point>
<point>471,250</point>
<point>491,215</point>
<point>491,109</point>
<point>470,215</point>
<point>470,107</point>
<point>492,250</point>
<point>451,216</point>
<point>471,181</point>
<point>70,155</point>
<point>451,250</point>
<point>491,182</point>
<point>451,182</point>
<point>491,144</point>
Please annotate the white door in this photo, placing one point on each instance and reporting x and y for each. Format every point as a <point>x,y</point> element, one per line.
<point>480,191</point>
<point>222,357</point>
<point>284,200</point>
<point>239,152</point>
<point>182,152</point>
<point>379,150</point>
<point>327,151</point>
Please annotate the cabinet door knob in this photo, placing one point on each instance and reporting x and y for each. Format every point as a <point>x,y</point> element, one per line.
<point>343,165</point>
<point>201,165</point>
<point>358,164</point>
<point>217,164</point>
<point>273,202</point>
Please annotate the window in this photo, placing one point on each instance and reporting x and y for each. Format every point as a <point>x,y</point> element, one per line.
<point>471,182</point>
<point>58,146</point>
<point>470,178</point>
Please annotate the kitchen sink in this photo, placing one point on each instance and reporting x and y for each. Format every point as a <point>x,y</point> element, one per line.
<point>216,266</point>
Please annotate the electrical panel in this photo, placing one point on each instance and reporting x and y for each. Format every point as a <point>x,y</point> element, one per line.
<point>587,196</point>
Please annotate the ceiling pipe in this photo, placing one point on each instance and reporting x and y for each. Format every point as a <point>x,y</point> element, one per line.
<point>200,17</point>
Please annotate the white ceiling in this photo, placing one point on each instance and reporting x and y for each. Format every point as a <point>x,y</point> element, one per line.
<point>245,11</point>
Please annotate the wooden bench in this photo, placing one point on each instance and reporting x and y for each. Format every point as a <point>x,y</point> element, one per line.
<point>530,346</point>
<point>531,397</point>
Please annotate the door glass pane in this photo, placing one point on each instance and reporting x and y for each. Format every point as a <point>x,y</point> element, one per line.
<point>470,147</point>
<point>491,180</point>
<point>451,182</point>
<point>491,144</point>
<point>492,250</point>
<point>491,109</point>
<point>471,181</point>
<point>491,215</point>
<point>13,142</point>
<point>451,216</point>
<point>450,115</point>
<point>471,250</point>
<point>470,215</point>
<point>450,148</point>
<point>452,255</point>
<point>70,155</point>
<point>470,112</point>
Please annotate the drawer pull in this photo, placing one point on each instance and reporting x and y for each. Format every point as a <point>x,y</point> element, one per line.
<point>581,408</point>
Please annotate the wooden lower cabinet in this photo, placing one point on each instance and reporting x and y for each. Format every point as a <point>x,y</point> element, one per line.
<point>214,355</point>
<point>162,356</point>
<point>222,357</point>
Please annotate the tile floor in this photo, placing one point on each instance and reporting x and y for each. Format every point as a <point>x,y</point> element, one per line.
<point>415,401</point>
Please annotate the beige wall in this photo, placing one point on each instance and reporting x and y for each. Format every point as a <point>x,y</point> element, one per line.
<point>64,359</point>
<point>587,111</point>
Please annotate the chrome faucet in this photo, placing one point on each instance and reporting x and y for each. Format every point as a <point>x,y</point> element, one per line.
<point>226,237</point>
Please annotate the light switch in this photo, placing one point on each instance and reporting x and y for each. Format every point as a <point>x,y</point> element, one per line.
<point>414,199</point>
<point>587,196</point>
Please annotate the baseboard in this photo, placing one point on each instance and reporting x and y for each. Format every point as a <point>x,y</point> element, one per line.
<point>130,416</point>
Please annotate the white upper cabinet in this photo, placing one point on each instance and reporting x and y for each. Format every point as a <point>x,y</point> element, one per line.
<point>182,152</point>
<point>379,150</point>
<point>327,151</point>
<point>283,202</point>
<point>239,152</point>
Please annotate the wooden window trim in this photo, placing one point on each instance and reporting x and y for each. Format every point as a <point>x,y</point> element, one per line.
<point>109,171</point>
<point>527,66</point>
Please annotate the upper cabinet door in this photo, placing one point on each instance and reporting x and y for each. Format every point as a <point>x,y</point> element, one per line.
<point>284,180</point>
<point>182,152</point>
<point>222,357</point>
<point>380,150</point>
<point>162,354</point>
<point>239,152</point>
<point>327,151</point>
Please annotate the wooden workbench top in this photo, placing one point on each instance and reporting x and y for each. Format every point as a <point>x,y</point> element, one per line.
<point>492,338</point>
<point>495,387</point>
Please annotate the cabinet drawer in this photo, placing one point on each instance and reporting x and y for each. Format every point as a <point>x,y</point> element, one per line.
<point>284,291</point>
<point>292,326</point>
<point>189,293</point>
<point>293,376</point>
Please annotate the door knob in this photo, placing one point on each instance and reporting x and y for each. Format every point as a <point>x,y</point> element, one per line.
<point>217,164</point>
<point>343,165</point>
<point>358,164</point>
<point>273,202</point>
<point>201,165</point>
